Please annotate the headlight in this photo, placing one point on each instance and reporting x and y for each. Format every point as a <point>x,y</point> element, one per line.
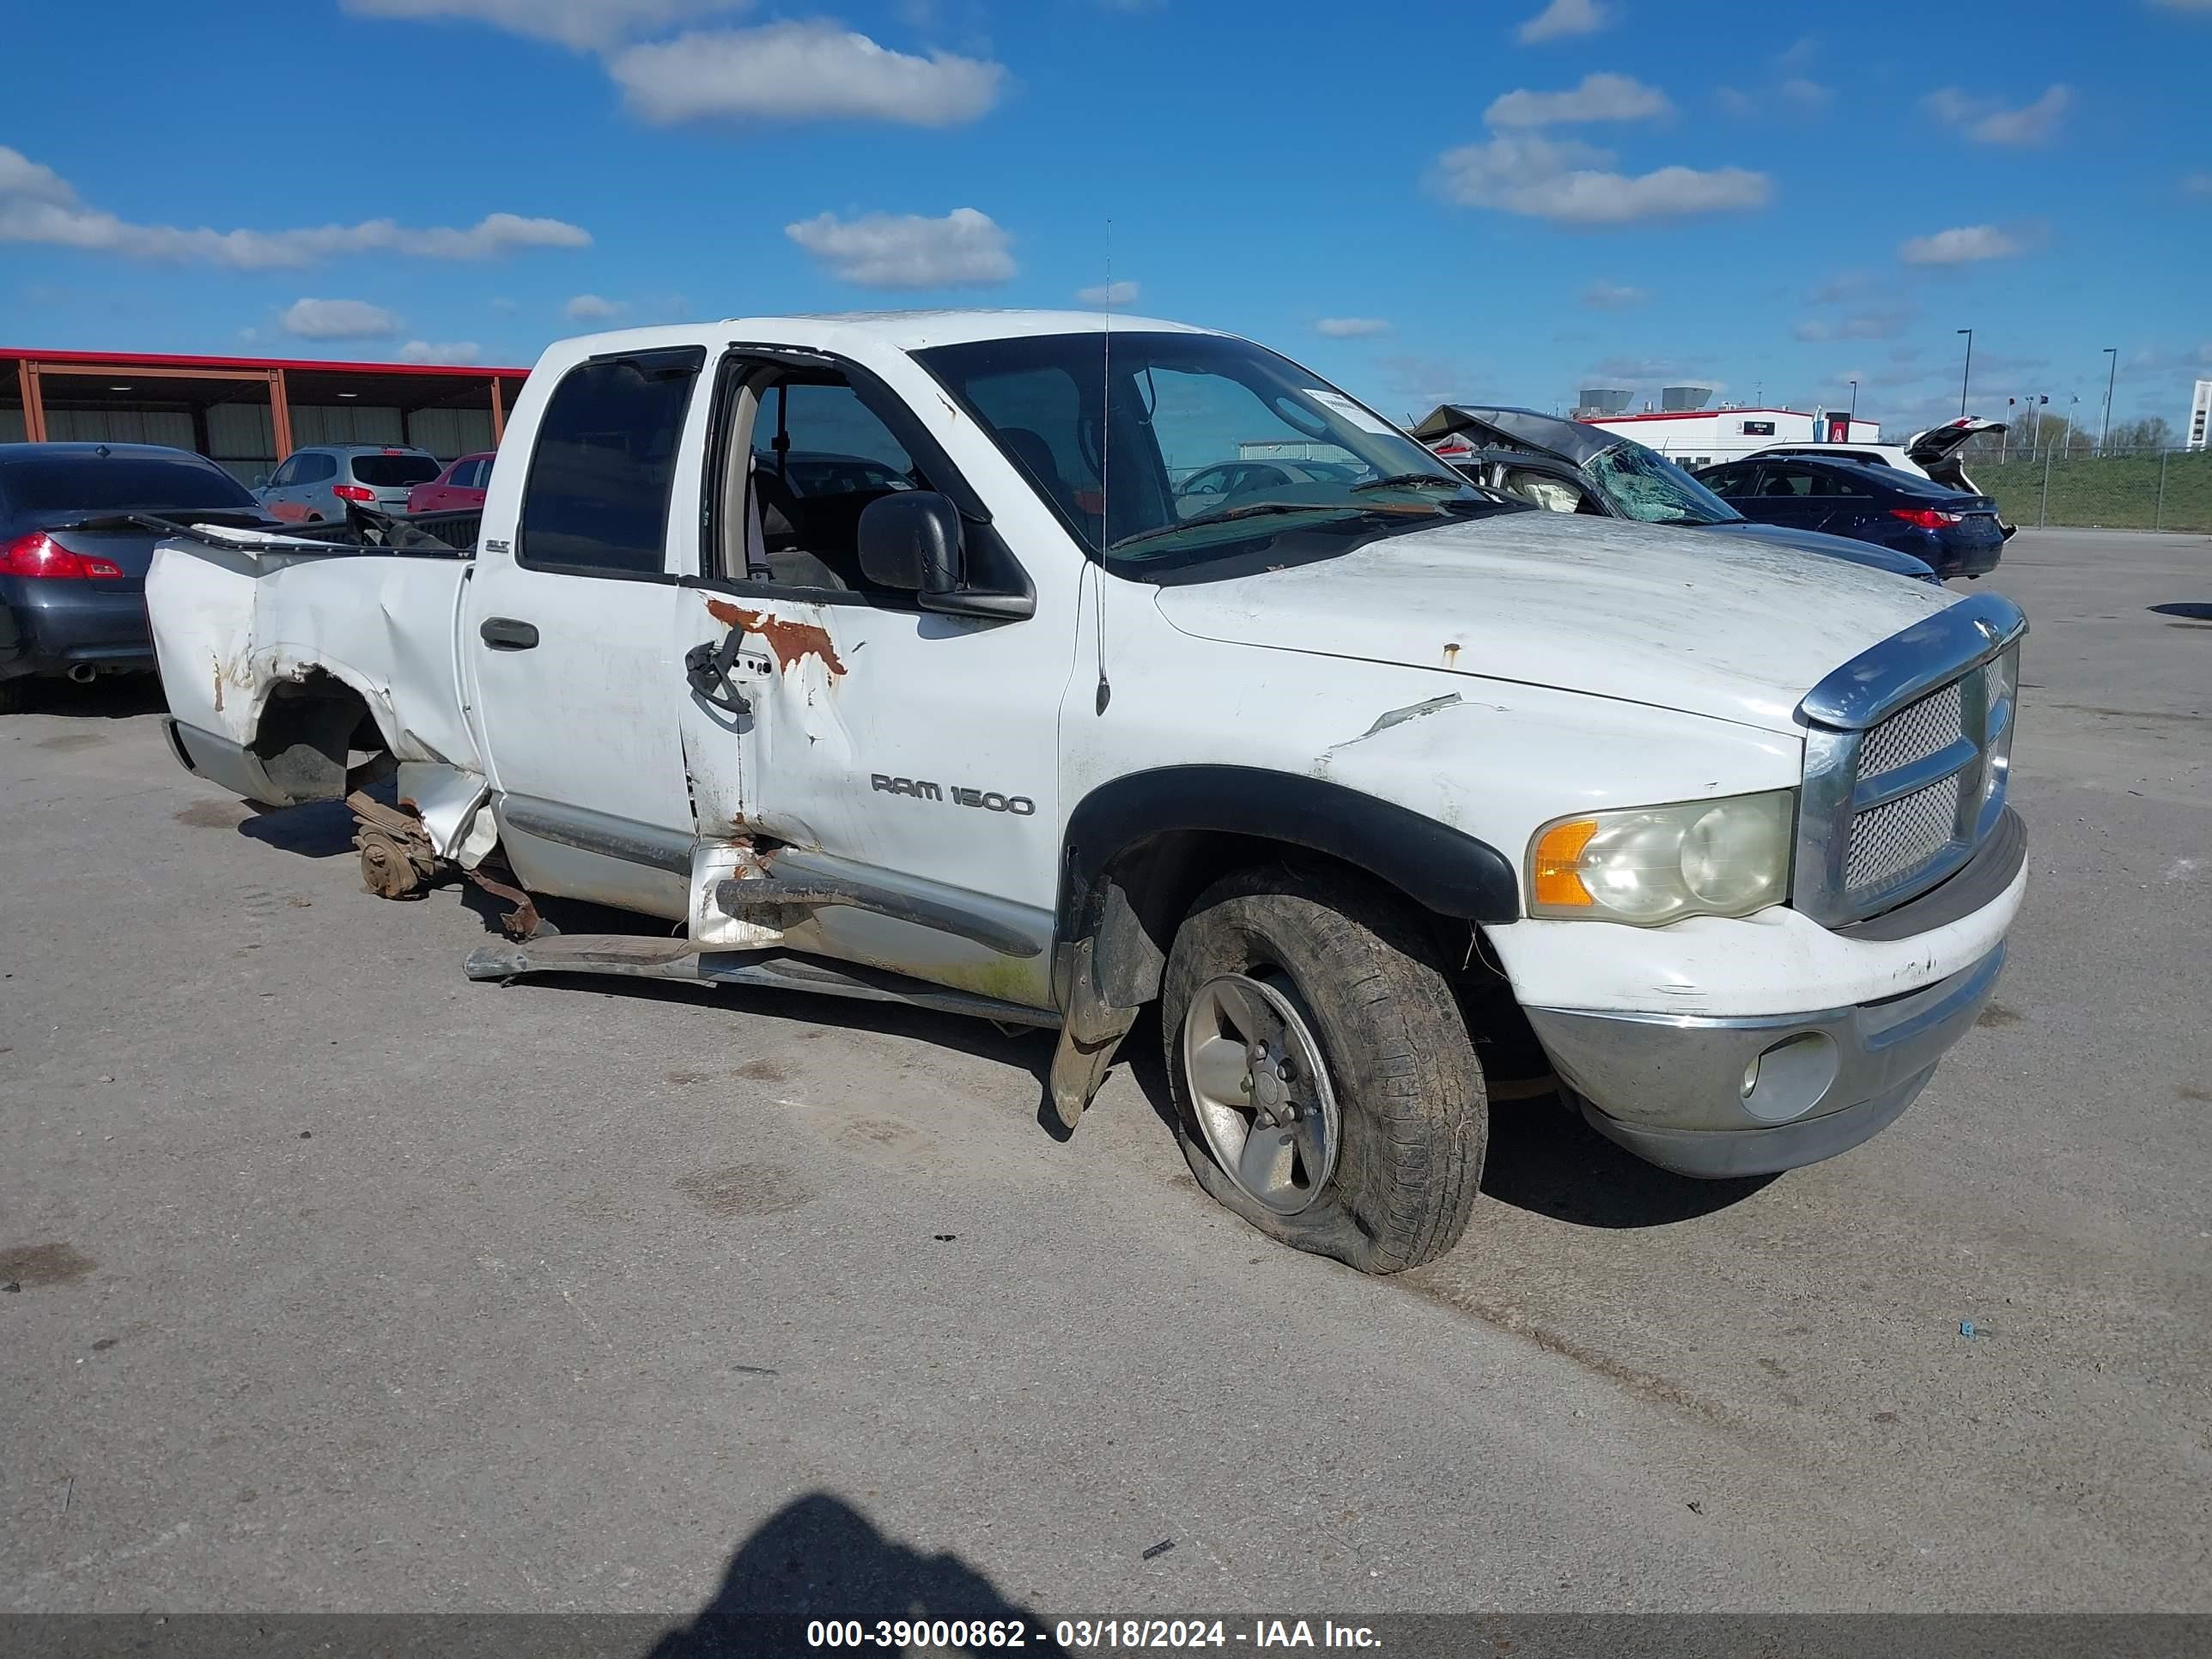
<point>1650,864</point>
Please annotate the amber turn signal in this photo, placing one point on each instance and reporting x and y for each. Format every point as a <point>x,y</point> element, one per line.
<point>1558,863</point>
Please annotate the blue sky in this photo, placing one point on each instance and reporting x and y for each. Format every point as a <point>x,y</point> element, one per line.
<point>1502,199</point>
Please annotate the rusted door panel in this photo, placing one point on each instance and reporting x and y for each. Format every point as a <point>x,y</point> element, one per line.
<point>918,750</point>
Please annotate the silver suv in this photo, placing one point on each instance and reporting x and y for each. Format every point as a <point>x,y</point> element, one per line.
<point>316,483</point>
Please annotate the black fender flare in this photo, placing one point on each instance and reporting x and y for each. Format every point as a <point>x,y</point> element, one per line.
<point>1442,869</point>
<point>1118,909</point>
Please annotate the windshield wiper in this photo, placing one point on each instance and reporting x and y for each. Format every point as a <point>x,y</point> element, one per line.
<point>1223,515</point>
<point>1404,480</point>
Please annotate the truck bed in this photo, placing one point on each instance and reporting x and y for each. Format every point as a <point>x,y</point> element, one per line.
<point>241,618</point>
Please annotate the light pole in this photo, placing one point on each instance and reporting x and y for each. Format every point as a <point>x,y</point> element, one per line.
<point>1967,373</point>
<point>2112,375</point>
<point>1853,417</point>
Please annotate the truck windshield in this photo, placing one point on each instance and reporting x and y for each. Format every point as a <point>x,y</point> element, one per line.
<point>1644,485</point>
<point>1163,450</point>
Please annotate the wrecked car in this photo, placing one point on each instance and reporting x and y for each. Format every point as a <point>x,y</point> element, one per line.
<point>1572,466</point>
<point>1387,792</point>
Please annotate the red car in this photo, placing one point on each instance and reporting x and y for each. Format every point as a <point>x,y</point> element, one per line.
<point>461,485</point>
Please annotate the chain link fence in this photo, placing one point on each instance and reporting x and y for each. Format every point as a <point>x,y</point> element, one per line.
<point>2121,489</point>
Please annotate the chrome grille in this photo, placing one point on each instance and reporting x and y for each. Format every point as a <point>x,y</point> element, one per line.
<point>1899,838</point>
<point>1906,761</point>
<point>1913,734</point>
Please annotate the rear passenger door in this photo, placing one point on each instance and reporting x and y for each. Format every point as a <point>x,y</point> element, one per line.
<point>569,633</point>
<point>1789,494</point>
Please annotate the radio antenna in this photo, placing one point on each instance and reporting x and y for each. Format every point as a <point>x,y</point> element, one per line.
<point>1105,693</point>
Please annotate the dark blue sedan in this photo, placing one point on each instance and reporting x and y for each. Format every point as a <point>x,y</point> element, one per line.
<point>1956,533</point>
<point>74,552</point>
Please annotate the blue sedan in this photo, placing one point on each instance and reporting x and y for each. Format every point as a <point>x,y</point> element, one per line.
<point>1955,532</point>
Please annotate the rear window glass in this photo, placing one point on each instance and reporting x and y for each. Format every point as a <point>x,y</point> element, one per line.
<point>392,472</point>
<point>595,500</point>
<point>63,482</point>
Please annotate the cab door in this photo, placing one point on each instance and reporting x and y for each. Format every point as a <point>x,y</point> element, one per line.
<point>567,632</point>
<point>841,738</point>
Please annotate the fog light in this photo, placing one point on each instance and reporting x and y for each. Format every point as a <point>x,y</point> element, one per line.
<point>1789,1078</point>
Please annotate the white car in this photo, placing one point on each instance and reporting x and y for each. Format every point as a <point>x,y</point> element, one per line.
<point>1933,454</point>
<point>1380,787</point>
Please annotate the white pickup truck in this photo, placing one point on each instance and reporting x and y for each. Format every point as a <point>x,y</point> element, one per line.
<point>938,658</point>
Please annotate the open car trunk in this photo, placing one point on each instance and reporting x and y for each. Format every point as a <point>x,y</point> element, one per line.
<point>1938,453</point>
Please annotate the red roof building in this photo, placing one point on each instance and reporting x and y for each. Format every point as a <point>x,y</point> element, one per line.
<point>249,413</point>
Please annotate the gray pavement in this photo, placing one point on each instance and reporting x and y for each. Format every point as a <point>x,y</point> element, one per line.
<point>347,1284</point>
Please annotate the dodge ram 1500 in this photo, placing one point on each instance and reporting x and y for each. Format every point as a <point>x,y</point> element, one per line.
<point>1379,785</point>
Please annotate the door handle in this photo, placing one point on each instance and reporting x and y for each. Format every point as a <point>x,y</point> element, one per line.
<point>506,634</point>
<point>707,671</point>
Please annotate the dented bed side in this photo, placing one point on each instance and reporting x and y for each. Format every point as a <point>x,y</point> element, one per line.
<point>245,625</point>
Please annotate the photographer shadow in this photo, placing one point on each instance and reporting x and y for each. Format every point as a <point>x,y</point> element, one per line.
<point>819,1558</point>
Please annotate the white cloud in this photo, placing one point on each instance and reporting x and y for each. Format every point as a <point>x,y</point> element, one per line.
<point>1599,98</point>
<point>965,248</point>
<point>581,23</point>
<point>2197,183</point>
<point>1351,328</point>
<point>1108,294</point>
<point>1796,91</point>
<point>1563,18</point>
<point>1613,296</point>
<point>338,319</point>
<point>1800,53</point>
<point>1570,183</point>
<point>1964,246</point>
<point>591,309</point>
<point>443,351</point>
<point>814,69</point>
<point>38,206</point>
<point>1987,121</point>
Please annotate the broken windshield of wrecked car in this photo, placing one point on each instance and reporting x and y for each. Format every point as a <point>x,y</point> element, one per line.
<point>1644,485</point>
<point>1169,448</point>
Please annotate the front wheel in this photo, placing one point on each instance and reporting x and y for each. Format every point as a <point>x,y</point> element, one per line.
<point>1326,1086</point>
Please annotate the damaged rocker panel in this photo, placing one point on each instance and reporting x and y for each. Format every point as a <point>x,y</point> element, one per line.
<point>625,955</point>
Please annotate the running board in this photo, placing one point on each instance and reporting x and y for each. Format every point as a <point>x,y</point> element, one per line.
<point>624,956</point>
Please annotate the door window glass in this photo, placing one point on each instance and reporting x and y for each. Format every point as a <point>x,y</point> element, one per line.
<point>596,498</point>
<point>820,456</point>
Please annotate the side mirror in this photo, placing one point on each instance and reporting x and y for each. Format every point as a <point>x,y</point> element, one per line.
<point>261,481</point>
<point>911,540</point>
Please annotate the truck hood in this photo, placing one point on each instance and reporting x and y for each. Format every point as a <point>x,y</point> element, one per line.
<point>1872,555</point>
<point>1711,625</point>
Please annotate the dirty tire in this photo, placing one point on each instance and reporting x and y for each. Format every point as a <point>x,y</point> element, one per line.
<point>1414,1114</point>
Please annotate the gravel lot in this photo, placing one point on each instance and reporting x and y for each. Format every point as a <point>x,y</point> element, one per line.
<point>347,1284</point>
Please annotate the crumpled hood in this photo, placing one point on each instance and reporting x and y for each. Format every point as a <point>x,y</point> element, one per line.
<point>1675,618</point>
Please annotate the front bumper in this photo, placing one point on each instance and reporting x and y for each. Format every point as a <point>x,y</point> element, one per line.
<point>1750,1095</point>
